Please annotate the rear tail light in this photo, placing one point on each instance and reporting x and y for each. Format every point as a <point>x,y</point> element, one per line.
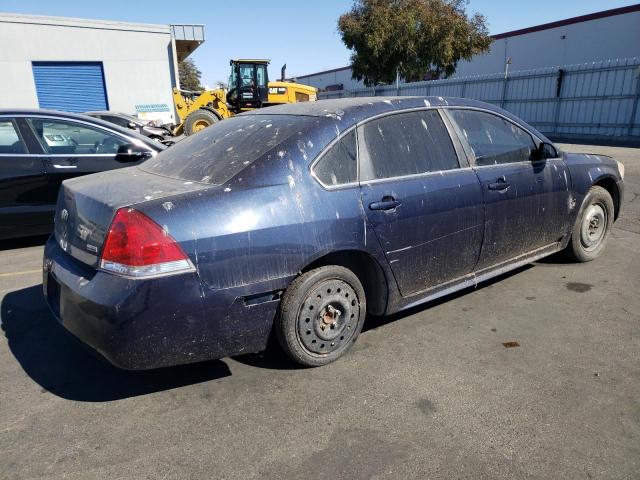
<point>137,246</point>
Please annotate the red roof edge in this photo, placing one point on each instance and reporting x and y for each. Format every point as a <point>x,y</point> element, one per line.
<point>570,21</point>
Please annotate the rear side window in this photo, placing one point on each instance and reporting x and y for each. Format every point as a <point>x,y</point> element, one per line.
<point>339,164</point>
<point>406,144</point>
<point>123,122</point>
<point>9,140</point>
<point>71,138</point>
<point>217,153</point>
<point>493,139</point>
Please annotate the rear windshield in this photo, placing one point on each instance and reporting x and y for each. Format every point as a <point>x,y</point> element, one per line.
<point>217,153</point>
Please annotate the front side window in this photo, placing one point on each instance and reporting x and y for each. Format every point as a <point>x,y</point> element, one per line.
<point>66,137</point>
<point>338,166</point>
<point>123,122</point>
<point>10,141</point>
<point>261,74</point>
<point>406,144</point>
<point>493,139</point>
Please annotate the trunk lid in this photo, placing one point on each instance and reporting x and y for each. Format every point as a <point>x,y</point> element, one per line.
<point>86,206</point>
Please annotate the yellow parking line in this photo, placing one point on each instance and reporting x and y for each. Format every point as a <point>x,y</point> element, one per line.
<point>24,272</point>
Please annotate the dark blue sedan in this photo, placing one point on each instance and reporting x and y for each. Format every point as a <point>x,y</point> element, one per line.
<point>301,219</point>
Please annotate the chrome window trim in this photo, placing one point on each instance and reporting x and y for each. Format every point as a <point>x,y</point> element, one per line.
<point>63,119</point>
<point>326,149</point>
<point>455,136</point>
<point>416,175</point>
<point>65,155</point>
<point>524,162</point>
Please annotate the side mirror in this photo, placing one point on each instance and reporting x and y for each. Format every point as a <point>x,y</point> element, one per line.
<point>132,126</point>
<point>132,153</point>
<point>545,150</point>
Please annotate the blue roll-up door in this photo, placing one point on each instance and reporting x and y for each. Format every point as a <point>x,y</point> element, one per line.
<point>70,86</point>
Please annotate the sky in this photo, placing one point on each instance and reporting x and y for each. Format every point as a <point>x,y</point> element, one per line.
<point>301,33</point>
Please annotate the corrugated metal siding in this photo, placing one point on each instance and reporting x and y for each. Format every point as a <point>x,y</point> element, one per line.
<point>599,98</point>
<point>70,86</point>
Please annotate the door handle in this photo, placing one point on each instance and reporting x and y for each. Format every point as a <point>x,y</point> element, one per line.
<point>387,203</point>
<point>55,165</point>
<point>500,184</point>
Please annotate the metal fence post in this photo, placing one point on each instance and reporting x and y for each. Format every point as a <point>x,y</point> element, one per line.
<point>504,91</point>
<point>634,109</point>
<point>556,113</point>
<point>464,89</point>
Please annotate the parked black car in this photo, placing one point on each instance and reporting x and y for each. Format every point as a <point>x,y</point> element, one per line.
<point>146,128</point>
<point>39,149</point>
<point>303,218</point>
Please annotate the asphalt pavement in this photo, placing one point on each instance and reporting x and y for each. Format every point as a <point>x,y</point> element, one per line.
<point>430,393</point>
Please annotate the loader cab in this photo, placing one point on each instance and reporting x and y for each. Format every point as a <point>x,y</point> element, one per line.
<point>248,84</point>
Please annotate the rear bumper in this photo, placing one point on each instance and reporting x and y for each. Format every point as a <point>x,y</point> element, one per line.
<point>143,324</point>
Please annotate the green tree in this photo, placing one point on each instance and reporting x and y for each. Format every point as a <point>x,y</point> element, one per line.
<point>412,37</point>
<point>189,75</point>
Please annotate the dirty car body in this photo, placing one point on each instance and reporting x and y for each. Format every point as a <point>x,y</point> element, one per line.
<point>419,197</point>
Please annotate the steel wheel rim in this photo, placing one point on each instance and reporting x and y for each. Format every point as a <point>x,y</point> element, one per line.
<point>200,125</point>
<point>594,226</point>
<point>328,317</point>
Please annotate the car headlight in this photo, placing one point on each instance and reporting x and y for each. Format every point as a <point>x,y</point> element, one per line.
<point>620,168</point>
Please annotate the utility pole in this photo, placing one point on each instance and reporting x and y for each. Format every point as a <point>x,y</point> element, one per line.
<point>506,68</point>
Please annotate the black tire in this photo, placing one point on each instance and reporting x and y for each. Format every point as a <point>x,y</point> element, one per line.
<point>199,120</point>
<point>593,226</point>
<point>321,315</point>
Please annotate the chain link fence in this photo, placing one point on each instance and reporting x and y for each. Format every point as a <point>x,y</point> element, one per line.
<point>597,99</point>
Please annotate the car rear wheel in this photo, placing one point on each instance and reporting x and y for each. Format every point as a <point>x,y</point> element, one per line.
<point>199,120</point>
<point>593,225</point>
<point>321,315</point>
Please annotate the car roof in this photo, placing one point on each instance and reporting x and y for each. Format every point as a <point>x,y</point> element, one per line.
<point>102,112</point>
<point>348,111</point>
<point>78,116</point>
<point>113,114</point>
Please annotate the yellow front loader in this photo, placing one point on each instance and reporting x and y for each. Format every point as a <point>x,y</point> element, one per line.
<point>249,88</point>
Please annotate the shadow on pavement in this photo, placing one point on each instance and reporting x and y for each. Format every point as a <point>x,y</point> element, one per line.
<point>273,358</point>
<point>559,258</point>
<point>65,367</point>
<point>62,365</point>
<point>376,322</point>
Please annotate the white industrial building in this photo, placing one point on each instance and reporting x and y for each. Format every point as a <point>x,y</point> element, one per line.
<point>79,65</point>
<point>610,34</point>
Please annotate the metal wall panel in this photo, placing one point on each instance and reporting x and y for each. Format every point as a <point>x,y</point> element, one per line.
<point>599,98</point>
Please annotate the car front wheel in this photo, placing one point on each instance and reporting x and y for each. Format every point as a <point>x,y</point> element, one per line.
<point>593,225</point>
<point>321,315</point>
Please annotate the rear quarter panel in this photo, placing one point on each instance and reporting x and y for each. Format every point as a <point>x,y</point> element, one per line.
<point>260,229</point>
